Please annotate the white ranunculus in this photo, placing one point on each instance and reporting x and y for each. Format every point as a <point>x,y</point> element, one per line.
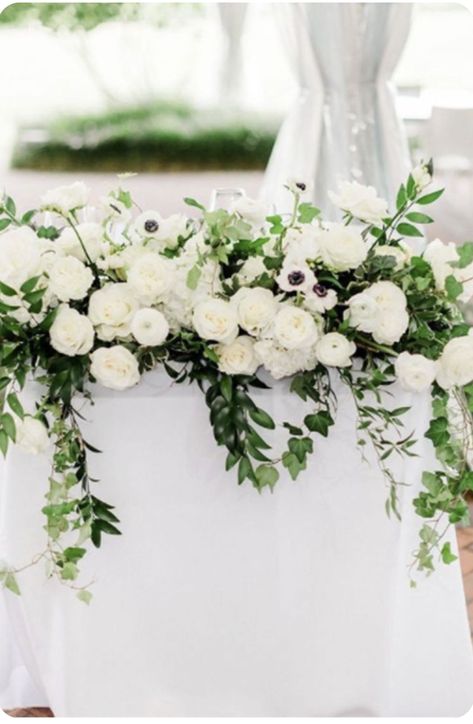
<point>335,350</point>
<point>66,198</point>
<point>388,296</point>
<point>92,238</point>
<point>414,371</point>
<point>456,362</point>
<point>360,201</point>
<point>114,367</point>
<point>281,362</point>
<point>149,327</point>
<point>252,268</point>
<point>254,212</point>
<point>295,328</point>
<point>301,244</point>
<point>342,248</point>
<point>391,326</point>
<point>320,299</point>
<point>255,308</point>
<point>69,278</point>
<point>363,312</point>
<point>440,256</point>
<point>31,435</point>
<point>421,176</point>
<point>296,278</point>
<point>20,256</point>
<point>151,277</point>
<point>111,310</point>
<point>71,333</point>
<point>216,319</point>
<point>238,357</point>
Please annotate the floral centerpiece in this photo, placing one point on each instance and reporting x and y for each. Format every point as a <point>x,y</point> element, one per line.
<point>214,299</point>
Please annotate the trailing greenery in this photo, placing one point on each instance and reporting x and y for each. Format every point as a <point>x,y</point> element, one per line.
<point>214,299</point>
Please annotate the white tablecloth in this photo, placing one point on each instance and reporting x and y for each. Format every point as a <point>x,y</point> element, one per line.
<point>220,601</point>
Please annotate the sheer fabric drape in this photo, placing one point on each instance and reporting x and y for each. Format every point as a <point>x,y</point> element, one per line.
<point>343,125</point>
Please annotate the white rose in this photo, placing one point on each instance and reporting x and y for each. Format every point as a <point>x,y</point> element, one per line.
<point>320,299</point>
<point>391,326</point>
<point>335,350</point>
<point>111,310</point>
<point>363,312</point>
<point>388,296</point>
<point>294,328</point>
<point>20,256</point>
<point>114,367</point>
<point>69,278</point>
<point>255,308</point>
<point>342,248</point>
<point>216,319</point>
<point>456,362</point>
<point>301,244</point>
<point>92,238</point>
<point>414,371</point>
<point>421,176</point>
<point>254,212</point>
<point>71,333</point>
<point>281,362</point>
<point>65,198</point>
<point>151,277</point>
<point>238,357</point>
<point>31,435</point>
<point>296,277</point>
<point>360,201</point>
<point>149,327</point>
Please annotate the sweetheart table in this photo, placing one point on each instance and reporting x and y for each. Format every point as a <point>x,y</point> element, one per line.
<point>220,601</point>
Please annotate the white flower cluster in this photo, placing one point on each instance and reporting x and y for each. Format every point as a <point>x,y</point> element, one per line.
<point>130,281</point>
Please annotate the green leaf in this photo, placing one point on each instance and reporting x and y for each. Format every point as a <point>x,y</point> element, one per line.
<point>107,527</point>
<point>69,572</point>
<point>465,254</point>
<point>29,285</point>
<point>307,213</point>
<point>226,387</point>
<point>319,422</point>
<point>4,223</point>
<point>85,596</point>
<point>192,202</point>
<point>419,218</point>
<point>430,198</point>
<point>7,291</point>
<point>447,555</point>
<point>266,475</point>
<point>193,276</point>
<point>453,287</point>
<point>10,582</point>
<point>244,469</point>
<point>8,424</point>
<point>408,230</point>
<point>3,442</point>
<point>73,554</point>
<point>262,418</point>
<point>10,205</point>
<point>401,197</point>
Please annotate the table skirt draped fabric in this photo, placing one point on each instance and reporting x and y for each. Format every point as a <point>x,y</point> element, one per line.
<point>217,600</point>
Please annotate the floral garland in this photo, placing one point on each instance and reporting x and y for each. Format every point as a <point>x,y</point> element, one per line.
<point>212,300</point>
